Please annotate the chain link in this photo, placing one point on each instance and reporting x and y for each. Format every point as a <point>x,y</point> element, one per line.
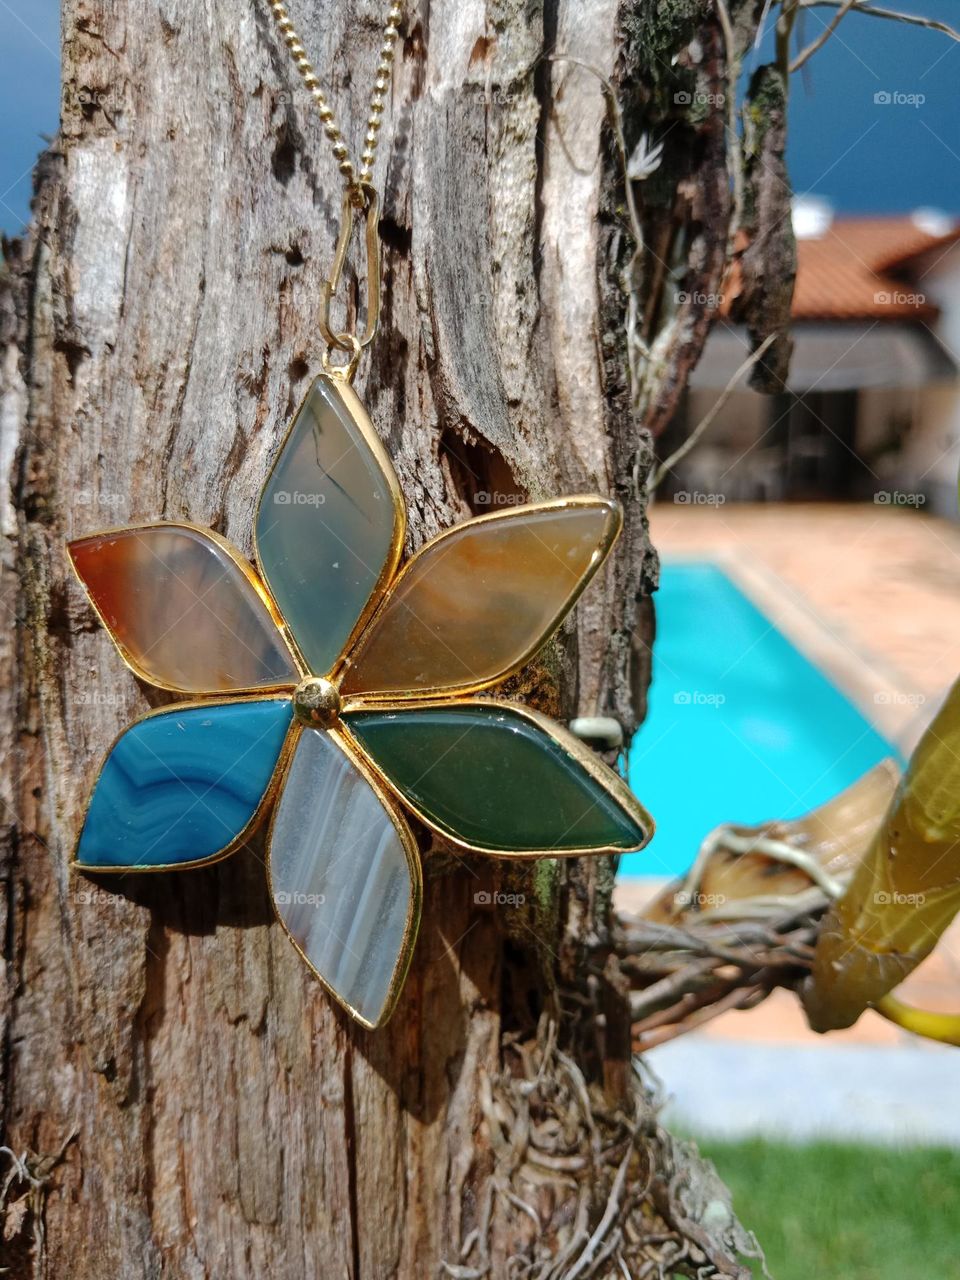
<point>357,182</point>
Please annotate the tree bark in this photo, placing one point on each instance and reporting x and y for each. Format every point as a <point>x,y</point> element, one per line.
<point>191,1102</point>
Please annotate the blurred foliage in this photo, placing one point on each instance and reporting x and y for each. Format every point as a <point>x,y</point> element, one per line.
<point>904,893</point>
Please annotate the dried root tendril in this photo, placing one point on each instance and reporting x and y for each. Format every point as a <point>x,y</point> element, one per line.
<point>22,1191</point>
<point>597,1192</point>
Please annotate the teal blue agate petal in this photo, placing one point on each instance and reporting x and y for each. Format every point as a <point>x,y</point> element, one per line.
<point>182,786</point>
<point>329,527</point>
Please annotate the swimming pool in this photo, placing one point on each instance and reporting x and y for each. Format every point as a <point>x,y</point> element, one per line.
<point>741,726</point>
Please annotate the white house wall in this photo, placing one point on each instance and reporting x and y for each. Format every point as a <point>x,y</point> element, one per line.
<point>933,454</point>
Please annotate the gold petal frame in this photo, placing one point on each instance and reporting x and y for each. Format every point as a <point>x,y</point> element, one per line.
<point>267,799</point>
<point>575,502</point>
<point>245,567</point>
<point>375,778</point>
<point>388,573</point>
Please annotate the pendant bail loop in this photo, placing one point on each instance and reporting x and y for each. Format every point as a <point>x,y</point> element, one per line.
<point>348,369</point>
<point>360,201</point>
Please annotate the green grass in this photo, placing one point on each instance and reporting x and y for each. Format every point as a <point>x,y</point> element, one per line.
<point>830,1211</point>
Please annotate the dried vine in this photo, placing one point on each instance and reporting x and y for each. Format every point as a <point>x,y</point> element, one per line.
<point>682,978</point>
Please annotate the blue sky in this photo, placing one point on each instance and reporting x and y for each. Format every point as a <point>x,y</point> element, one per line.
<point>886,157</point>
<point>863,155</point>
<point>29,98</point>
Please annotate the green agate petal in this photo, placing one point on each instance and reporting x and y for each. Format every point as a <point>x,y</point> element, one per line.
<point>501,779</point>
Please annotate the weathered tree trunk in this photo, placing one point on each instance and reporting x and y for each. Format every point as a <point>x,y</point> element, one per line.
<point>192,1102</point>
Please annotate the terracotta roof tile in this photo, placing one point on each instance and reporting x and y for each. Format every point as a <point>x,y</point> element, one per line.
<point>846,273</point>
<point>851,272</point>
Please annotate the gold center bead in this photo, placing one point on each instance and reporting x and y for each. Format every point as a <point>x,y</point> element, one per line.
<point>316,702</point>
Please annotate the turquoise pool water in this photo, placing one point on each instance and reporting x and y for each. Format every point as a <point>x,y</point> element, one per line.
<point>741,726</point>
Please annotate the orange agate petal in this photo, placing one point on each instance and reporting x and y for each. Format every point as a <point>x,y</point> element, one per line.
<point>185,612</point>
<point>477,602</point>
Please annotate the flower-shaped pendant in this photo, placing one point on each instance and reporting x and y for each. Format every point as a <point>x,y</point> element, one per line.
<point>339,688</point>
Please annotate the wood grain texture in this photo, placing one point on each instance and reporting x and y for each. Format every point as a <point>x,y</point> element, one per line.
<point>211,1111</point>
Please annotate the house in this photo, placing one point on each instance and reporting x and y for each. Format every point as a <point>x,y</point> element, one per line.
<point>872,410</point>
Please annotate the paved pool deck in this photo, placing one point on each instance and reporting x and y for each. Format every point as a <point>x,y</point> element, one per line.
<point>723,1089</point>
<point>871,595</point>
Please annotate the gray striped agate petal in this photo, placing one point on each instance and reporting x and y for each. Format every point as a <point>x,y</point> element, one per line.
<point>341,882</point>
